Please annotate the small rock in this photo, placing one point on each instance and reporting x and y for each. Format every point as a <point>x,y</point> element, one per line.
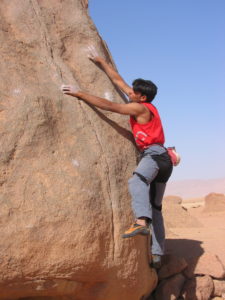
<point>173,199</point>
<point>170,289</point>
<point>198,288</point>
<point>171,265</point>
<point>219,288</point>
<point>207,264</point>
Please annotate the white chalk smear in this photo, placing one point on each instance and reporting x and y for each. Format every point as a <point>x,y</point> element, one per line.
<point>56,75</point>
<point>108,96</point>
<point>91,51</point>
<point>75,163</point>
<point>40,288</point>
<point>87,191</point>
<point>16,91</point>
<point>29,226</point>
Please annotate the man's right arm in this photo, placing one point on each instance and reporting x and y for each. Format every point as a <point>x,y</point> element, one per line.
<point>110,71</point>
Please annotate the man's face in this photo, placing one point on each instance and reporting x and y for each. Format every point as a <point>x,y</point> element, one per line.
<point>136,96</point>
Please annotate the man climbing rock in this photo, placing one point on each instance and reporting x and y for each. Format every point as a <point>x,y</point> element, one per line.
<point>147,185</point>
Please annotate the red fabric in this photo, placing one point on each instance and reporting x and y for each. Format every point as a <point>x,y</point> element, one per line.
<point>148,133</point>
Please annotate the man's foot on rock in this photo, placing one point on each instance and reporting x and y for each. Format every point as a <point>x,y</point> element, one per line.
<point>136,229</point>
<point>156,262</point>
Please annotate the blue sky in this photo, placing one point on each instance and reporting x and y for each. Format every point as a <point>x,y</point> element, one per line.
<point>179,45</point>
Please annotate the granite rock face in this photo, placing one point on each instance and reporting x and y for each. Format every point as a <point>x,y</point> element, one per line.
<point>63,165</point>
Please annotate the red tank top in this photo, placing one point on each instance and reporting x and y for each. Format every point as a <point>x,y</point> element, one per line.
<point>148,133</point>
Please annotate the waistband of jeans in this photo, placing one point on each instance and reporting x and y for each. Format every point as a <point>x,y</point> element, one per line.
<point>161,145</point>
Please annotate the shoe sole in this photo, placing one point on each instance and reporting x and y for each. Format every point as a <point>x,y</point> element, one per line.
<point>156,265</point>
<point>136,232</point>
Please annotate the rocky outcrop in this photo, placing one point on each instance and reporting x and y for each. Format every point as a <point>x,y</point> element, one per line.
<point>64,165</point>
<point>171,265</point>
<point>214,202</point>
<point>170,289</point>
<point>177,216</point>
<point>176,281</point>
<point>219,288</point>
<point>198,288</point>
<point>208,264</point>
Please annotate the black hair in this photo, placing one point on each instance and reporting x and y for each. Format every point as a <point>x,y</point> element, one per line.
<point>146,88</point>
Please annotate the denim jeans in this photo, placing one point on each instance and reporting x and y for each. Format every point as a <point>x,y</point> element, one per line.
<point>147,187</point>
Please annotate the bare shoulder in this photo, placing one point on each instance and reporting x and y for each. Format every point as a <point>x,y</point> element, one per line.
<point>137,106</point>
<point>133,109</point>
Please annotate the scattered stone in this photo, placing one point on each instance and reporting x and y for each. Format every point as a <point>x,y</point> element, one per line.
<point>198,288</point>
<point>171,265</point>
<point>208,264</point>
<point>170,289</point>
<point>219,288</point>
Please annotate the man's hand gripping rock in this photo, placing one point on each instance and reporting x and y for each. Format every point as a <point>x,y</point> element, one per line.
<point>71,90</point>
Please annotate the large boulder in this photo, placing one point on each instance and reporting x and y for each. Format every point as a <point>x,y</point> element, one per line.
<point>198,288</point>
<point>64,165</point>
<point>170,288</point>
<point>171,265</point>
<point>208,264</point>
<point>219,288</point>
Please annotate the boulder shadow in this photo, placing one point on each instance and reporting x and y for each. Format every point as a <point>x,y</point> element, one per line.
<point>119,129</point>
<point>184,248</point>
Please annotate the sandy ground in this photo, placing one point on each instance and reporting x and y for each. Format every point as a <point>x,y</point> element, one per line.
<point>209,237</point>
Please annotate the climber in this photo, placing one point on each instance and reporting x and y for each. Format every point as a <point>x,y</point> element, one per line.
<point>147,185</point>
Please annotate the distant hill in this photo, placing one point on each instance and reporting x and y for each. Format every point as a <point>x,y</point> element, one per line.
<point>195,188</point>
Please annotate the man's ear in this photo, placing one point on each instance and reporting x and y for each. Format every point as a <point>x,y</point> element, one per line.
<point>143,98</point>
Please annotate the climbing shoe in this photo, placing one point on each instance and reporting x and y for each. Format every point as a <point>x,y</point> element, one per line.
<point>136,229</point>
<point>156,262</point>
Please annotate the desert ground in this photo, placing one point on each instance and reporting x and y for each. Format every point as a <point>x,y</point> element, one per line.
<point>196,226</point>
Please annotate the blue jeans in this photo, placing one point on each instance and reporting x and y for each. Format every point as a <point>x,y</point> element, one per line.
<point>147,187</point>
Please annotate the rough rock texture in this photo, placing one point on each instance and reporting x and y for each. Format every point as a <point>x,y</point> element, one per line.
<point>171,266</point>
<point>169,289</point>
<point>208,264</point>
<point>198,288</point>
<point>219,288</point>
<point>63,166</point>
<point>214,202</point>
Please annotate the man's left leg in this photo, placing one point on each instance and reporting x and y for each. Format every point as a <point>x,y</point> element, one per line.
<point>157,226</point>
